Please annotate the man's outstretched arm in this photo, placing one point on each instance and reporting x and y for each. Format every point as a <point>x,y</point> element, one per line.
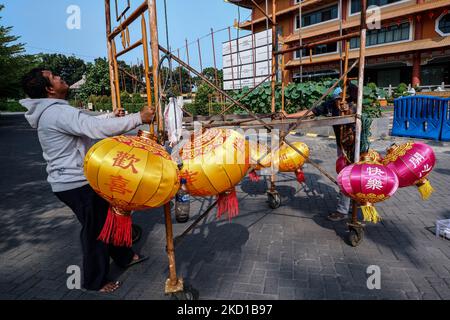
<point>72,121</point>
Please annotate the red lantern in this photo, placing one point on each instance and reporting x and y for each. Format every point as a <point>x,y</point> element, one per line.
<point>431,14</point>
<point>368,182</point>
<point>412,162</point>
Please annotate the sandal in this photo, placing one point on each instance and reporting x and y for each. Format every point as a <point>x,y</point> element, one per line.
<point>337,216</point>
<point>110,287</point>
<point>136,261</point>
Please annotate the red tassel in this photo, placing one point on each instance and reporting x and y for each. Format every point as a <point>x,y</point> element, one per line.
<point>117,229</point>
<point>300,175</point>
<point>228,202</point>
<point>253,176</point>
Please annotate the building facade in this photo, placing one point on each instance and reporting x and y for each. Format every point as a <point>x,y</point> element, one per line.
<point>411,45</point>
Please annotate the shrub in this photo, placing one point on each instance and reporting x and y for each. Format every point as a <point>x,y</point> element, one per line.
<point>11,106</point>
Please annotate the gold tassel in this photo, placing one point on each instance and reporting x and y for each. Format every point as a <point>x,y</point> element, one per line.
<point>425,189</point>
<point>370,214</point>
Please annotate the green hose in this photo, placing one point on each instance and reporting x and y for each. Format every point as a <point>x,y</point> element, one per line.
<point>366,122</point>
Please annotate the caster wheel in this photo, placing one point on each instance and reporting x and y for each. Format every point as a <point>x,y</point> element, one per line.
<point>274,200</point>
<point>355,236</point>
<point>188,294</point>
<point>136,233</point>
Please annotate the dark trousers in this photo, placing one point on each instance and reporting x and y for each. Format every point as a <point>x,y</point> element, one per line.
<point>91,210</point>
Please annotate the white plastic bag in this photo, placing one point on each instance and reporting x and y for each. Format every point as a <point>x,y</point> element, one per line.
<point>173,117</point>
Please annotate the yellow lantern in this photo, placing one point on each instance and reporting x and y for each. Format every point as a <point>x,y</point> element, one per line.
<point>286,159</point>
<point>258,151</point>
<point>131,173</point>
<point>214,162</point>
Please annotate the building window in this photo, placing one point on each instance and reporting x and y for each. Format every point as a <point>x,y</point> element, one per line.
<point>356,4</point>
<point>443,25</point>
<point>318,16</point>
<point>394,33</point>
<point>297,1</point>
<point>316,76</point>
<point>320,49</point>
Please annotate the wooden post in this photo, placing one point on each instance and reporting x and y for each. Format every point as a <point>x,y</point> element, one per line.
<point>154,42</point>
<point>110,54</point>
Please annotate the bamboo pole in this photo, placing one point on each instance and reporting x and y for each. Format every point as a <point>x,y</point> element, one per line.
<point>148,88</point>
<point>212,85</point>
<point>188,61</point>
<point>274,56</point>
<point>110,54</point>
<point>272,20</point>
<point>362,56</point>
<point>314,44</point>
<point>180,73</point>
<point>173,283</point>
<point>116,76</point>
<point>273,84</point>
<point>133,16</point>
<point>214,60</point>
<point>347,49</point>
<point>154,42</point>
<point>231,56</point>
<point>200,55</point>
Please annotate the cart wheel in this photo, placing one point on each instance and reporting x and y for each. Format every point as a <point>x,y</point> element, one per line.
<point>136,233</point>
<point>274,199</point>
<point>355,236</point>
<point>188,294</point>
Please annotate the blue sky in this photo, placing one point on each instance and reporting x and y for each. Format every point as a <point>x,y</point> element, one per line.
<point>42,26</point>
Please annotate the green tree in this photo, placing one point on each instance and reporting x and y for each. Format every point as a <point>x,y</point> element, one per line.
<point>210,74</point>
<point>70,68</point>
<point>186,79</point>
<point>202,99</point>
<point>13,63</point>
<point>97,79</point>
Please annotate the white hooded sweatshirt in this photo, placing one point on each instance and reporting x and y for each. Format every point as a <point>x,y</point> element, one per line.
<point>67,133</point>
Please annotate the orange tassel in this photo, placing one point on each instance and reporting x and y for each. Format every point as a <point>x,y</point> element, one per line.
<point>228,202</point>
<point>117,229</point>
<point>300,175</point>
<point>253,176</point>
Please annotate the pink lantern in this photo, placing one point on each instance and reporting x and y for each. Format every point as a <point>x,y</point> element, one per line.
<point>367,183</point>
<point>412,162</point>
<point>371,156</point>
<point>341,163</point>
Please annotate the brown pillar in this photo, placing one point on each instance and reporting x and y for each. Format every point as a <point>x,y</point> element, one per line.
<point>416,69</point>
<point>415,81</point>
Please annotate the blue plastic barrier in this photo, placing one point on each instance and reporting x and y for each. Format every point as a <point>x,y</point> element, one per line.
<point>445,132</point>
<point>418,117</point>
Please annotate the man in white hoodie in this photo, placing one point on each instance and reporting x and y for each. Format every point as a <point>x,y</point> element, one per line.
<point>66,134</point>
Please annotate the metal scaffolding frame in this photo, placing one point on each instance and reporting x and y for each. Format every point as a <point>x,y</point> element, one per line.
<point>174,284</point>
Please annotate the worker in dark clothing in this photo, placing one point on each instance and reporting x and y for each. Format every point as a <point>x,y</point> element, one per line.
<point>344,134</point>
